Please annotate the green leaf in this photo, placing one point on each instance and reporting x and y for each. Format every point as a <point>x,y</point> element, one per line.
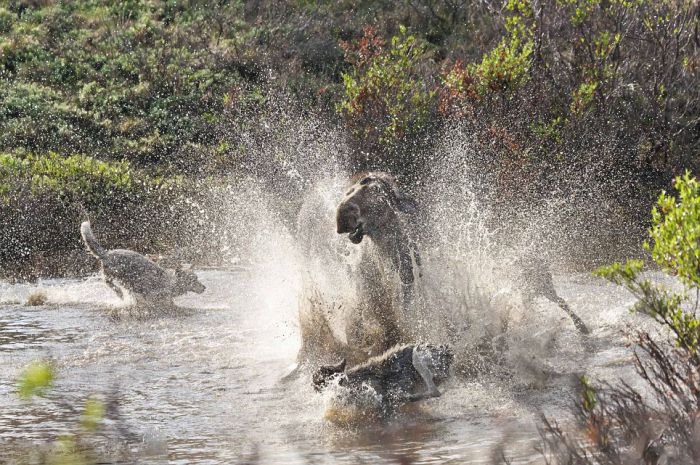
<point>589,400</point>
<point>92,414</point>
<point>675,231</point>
<point>35,379</point>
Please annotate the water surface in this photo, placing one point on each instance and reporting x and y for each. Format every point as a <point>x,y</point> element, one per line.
<point>204,387</point>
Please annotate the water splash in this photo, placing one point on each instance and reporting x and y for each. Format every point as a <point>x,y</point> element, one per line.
<point>470,238</point>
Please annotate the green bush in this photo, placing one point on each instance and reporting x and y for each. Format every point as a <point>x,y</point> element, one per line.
<point>386,101</point>
<point>6,20</point>
<point>71,177</point>
<point>507,65</point>
<point>504,68</point>
<point>675,232</point>
<point>135,80</point>
<point>619,423</point>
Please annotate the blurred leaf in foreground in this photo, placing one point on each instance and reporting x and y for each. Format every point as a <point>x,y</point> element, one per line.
<point>36,378</point>
<point>93,414</point>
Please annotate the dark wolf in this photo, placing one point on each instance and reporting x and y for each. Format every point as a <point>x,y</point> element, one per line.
<point>405,373</point>
<point>144,279</point>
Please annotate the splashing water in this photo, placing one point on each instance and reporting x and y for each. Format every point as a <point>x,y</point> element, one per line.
<point>204,387</point>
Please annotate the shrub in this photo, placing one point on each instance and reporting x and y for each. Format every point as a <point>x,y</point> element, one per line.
<point>459,91</point>
<point>676,231</point>
<point>77,77</point>
<point>6,20</point>
<point>43,199</point>
<point>620,424</point>
<point>73,178</point>
<point>505,68</point>
<point>507,65</point>
<point>386,103</point>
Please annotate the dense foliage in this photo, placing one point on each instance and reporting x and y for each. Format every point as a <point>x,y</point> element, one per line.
<point>126,80</point>
<point>385,102</point>
<point>148,81</point>
<point>567,96</point>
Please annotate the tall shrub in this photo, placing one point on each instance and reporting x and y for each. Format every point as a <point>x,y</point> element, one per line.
<point>387,103</point>
<point>621,424</point>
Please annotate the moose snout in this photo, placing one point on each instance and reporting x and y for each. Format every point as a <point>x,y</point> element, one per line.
<point>346,218</point>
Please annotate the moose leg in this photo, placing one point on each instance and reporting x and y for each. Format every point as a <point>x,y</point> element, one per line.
<point>392,333</point>
<point>405,266</point>
<point>580,325</point>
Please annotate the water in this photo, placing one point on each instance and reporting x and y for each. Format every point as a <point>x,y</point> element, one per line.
<point>204,387</point>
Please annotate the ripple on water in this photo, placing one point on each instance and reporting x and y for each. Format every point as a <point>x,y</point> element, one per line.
<point>204,387</point>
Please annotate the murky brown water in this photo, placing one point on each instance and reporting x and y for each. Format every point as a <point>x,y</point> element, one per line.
<point>204,387</point>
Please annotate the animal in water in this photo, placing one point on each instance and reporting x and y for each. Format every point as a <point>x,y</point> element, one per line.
<point>405,373</point>
<point>148,282</point>
<point>535,280</point>
<point>376,208</point>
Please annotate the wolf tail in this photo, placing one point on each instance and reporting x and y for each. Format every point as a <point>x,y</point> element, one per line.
<point>93,246</point>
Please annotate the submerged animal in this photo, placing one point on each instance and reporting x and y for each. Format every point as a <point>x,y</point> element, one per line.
<point>147,281</point>
<point>377,208</point>
<point>405,373</point>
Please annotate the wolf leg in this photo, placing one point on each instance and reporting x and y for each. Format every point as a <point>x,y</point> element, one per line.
<point>422,362</point>
<point>114,287</point>
<point>421,396</point>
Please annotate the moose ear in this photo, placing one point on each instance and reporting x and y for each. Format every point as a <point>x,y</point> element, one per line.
<point>400,200</point>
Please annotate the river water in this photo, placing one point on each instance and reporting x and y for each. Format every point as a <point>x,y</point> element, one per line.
<point>204,386</point>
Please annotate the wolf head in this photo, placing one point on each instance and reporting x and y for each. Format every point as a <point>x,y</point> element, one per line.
<point>438,360</point>
<point>327,373</point>
<point>186,281</point>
